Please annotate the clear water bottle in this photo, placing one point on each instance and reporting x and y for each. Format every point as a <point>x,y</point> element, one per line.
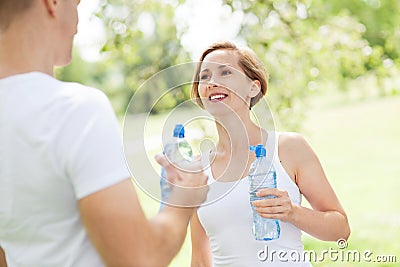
<point>262,175</point>
<point>179,152</point>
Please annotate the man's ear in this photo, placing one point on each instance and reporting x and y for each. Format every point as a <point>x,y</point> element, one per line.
<point>255,88</point>
<point>51,6</point>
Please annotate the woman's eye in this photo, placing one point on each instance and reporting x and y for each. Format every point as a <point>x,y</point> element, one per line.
<point>226,72</point>
<point>204,77</point>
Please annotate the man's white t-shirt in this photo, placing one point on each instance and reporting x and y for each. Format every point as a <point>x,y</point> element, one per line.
<point>59,142</point>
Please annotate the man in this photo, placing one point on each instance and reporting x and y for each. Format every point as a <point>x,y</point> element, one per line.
<point>66,198</point>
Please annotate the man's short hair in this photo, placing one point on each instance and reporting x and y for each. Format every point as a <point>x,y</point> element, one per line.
<point>10,9</point>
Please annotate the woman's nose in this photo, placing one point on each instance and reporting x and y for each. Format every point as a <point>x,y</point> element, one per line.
<point>212,83</point>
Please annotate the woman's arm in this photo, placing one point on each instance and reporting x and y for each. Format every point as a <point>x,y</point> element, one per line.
<point>201,252</point>
<point>3,262</point>
<point>327,219</point>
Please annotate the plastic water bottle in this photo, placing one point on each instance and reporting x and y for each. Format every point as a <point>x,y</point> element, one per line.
<point>262,175</point>
<point>178,151</point>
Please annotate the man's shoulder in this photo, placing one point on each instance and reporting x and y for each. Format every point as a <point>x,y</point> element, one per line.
<point>76,94</point>
<point>76,99</point>
<point>79,91</point>
<point>42,87</point>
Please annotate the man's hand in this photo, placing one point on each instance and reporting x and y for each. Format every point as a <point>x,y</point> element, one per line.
<point>188,183</point>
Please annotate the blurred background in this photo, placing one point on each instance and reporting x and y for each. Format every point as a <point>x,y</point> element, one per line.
<point>334,77</point>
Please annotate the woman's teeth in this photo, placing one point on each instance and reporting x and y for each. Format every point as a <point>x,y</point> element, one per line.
<point>217,97</point>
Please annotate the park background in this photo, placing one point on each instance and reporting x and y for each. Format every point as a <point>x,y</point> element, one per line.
<point>334,77</point>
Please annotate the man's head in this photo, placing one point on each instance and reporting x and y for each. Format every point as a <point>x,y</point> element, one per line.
<point>43,29</point>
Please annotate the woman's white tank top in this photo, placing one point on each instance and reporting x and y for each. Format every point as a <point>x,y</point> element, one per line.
<point>226,216</point>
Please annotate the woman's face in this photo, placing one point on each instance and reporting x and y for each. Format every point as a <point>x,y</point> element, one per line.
<point>223,86</point>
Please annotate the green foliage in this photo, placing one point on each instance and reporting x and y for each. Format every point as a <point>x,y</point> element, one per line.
<point>142,41</point>
<point>313,46</point>
<point>309,47</point>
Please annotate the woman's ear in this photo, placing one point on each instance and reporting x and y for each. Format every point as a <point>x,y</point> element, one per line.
<point>51,6</point>
<point>255,88</point>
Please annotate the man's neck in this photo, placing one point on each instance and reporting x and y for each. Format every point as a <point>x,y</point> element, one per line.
<point>23,51</point>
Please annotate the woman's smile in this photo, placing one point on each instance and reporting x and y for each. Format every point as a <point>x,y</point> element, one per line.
<point>217,97</point>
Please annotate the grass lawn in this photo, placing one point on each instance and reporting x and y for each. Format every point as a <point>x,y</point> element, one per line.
<point>359,147</point>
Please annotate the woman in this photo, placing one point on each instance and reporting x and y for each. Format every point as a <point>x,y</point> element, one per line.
<point>229,81</point>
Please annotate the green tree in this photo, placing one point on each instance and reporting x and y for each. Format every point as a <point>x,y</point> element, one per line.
<point>308,47</point>
<point>142,40</point>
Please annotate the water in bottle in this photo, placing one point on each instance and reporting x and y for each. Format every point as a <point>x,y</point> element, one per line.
<point>179,152</point>
<point>262,175</point>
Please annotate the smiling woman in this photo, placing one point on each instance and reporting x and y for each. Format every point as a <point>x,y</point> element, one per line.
<point>229,81</point>
<point>223,80</point>
<point>246,63</point>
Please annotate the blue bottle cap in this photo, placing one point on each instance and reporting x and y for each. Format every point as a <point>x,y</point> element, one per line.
<point>259,150</point>
<point>179,131</point>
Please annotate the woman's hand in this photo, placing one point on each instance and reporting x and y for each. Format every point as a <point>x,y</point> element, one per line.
<point>280,207</point>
